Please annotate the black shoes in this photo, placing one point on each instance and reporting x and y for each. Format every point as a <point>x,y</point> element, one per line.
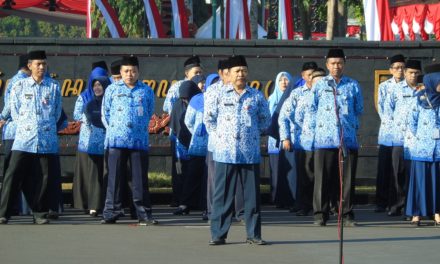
<point>379,209</point>
<point>181,211</point>
<point>217,242</point>
<point>394,213</point>
<point>3,220</point>
<point>108,221</point>
<point>256,241</point>
<point>350,223</point>
<point>41,221</point>
<point>320,222</point>
<point>302,212</point>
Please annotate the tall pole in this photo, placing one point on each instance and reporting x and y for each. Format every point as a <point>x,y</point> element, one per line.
<point>214,19</point>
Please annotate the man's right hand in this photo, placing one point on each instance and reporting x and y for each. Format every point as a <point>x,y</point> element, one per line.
<point>287,145</point>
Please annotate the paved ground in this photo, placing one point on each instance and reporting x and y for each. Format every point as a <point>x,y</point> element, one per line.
<point>76,238</point>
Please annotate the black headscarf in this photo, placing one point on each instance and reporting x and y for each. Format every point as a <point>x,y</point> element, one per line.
<point>93,107</point>
<point>177,120</point>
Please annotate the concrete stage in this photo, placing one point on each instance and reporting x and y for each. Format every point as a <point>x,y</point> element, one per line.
<point>77,238</point>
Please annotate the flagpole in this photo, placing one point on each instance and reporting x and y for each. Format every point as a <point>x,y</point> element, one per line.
<point>214,19</point>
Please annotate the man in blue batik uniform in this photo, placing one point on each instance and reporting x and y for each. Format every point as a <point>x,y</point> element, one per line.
<point>332,125</point>
<point>237,114</point>
<point>385,138</point>
<point>402,98</point>
<point>126,111</point>
<point>35,108</point>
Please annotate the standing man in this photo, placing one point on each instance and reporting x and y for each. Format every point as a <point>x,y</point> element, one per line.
<point>237,114</point>
<point>402,98</point>
<point>385,137</point>
<point>126,111</point>
<point>335,129</point>
<point>297,124</point>
<point>35,108</point>
<point>115,70</point>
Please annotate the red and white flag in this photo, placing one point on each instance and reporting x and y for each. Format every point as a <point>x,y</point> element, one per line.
<point>180,21</point>
<point>378,20</point>
<point>237,22</point>
<point>154,19</point>
<point>285,20</point>
<point>111,18</point>
<point>89,19</point>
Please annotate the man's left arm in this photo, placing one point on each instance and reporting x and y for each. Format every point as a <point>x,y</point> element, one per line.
<point>264,117</point>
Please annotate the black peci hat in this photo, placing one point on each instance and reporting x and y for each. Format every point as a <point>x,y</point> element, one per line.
<point>191,62</point>
<point>37,55</point>
<point>115,67</point>
<point>223,64</point>
<point>413,64</point>
<point>100,64</point>
<point>23,61</point>
<point>129,61</point>
<point>432,68</point>
<point>311,65</point>
<point>236,61</point>
<point>335,53</point>
<point>397,58</point>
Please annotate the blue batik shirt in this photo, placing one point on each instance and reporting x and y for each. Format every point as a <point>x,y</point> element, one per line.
<point>385,111</point>
<point>172,96</point>
<point>402,98</point>
<point>199,140</point>
<point>9,127</point>
<point>212,89</point>
<point>297,118</point>
<point>350,107</point>
<point>91,138</point>
<point>425,125</point>
<point>237,120</point>
<point>36,108</point>
<point>126,114</point>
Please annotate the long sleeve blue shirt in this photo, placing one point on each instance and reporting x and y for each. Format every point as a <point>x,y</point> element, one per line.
<point>237,121</point>
<point>36,108</point>
<point>385,111</point>
<point>9,127</point>
<point>172,96</point>
<point>350,106</point>
<point>126,113</point>
<point>199,140</point>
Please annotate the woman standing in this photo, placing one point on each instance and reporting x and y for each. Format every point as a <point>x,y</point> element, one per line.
<point>280,192</point>
<point>88,179</point>
<point>424,122</point>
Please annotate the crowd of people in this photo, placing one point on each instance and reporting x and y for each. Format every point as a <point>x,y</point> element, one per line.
<point>216,124</point>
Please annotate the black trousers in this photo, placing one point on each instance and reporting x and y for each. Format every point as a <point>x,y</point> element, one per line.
<point>193,174</point>
<point>227,177</point>
<point>384,176</point>
<point>280,170</point>
<point>117,162</point>
<point>31,173</point>
<point>210,163</point>
<point>327,184</point>
<point>305,168</point>
<point>399,181</point>
<point>176,178</point>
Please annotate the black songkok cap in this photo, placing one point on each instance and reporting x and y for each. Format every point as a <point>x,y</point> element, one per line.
<point>222,65</point>
<point>22,61</point>
<point>237,61</point>
<point>191,62</point>
<point>37,55</point>
<point>397,58</point>
<point>311,65</point>
<point>413,64</point>
<point>130,61</point>
<point>100,64</point>
<point>335,53</point>
<point>432,68</point>
<point>115,67</point>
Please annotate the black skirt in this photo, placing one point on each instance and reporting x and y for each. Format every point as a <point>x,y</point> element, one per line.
<point>88,182</point>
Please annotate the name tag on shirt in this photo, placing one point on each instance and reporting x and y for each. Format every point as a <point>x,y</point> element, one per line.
<point>407,95</point>
<point>436,134</point>
<point>28,96</point>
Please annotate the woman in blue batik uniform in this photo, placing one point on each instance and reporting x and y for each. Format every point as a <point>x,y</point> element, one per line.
<point>88,180</point>
<point>280,192</point>
<point>424,122</point>
<point>189,196</point>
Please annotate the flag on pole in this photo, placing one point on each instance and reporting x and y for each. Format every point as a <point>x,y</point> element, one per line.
<point>180,21</point>
<point>285,21</point>
<point>154,19</point>
<point>89,19</point>
<point>378,20</point>
<point>237,20</point>
<point>111,19</point>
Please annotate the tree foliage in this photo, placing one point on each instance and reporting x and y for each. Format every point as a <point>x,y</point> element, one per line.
<point>13,26</point>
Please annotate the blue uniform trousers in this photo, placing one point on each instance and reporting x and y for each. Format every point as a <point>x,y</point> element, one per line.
<point>117,161</point>
<point>226,180</point>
